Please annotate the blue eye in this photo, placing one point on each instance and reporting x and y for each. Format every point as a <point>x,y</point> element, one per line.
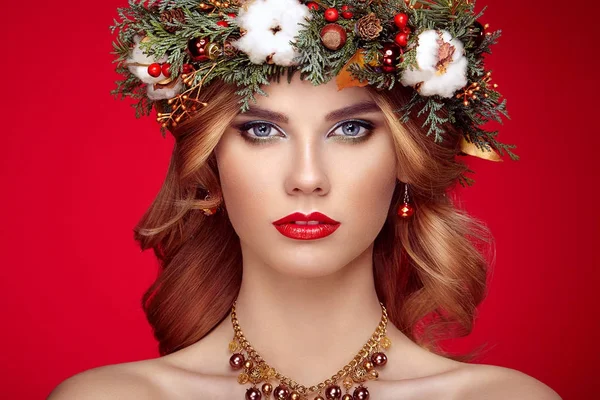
<point>257,131</point>
<point>354,128</point>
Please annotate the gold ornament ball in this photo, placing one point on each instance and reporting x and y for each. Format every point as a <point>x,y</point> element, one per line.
<point>295,396</point>
<point>213,50</point>
<point>248,364</point>
<point>368,365</point>
<point>373,374</point>
<point>347,397</point>
<point>267,389</point>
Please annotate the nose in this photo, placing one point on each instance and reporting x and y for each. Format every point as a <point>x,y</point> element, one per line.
<point>307,174</point>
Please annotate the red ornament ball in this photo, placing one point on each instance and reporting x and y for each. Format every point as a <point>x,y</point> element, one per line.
<point>187,68</point>
<point>237,361</point>
<point>253,394</point>
<point>312,5</point>
<point>379,359</point>
<point>154,70</point>
<point>401,39</point>
<point>361,393</point>
<point>166,69</point>
<point>281,392</point>
<point>331,15</point>
<point>197,49</point>
<point>400,20</point>
<point>333,392</point>
<point>346,13</point>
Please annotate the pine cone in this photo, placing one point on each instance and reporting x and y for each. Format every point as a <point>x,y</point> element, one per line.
<point>170,16</point>
<point>369,26</point>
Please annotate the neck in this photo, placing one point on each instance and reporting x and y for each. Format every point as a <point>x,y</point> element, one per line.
<point>320,323</point>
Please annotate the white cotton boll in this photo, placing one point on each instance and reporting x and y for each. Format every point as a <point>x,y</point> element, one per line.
<point>164,93</point>
<point>141,71</point>
<point>434,82</point>
<point>258,20</point>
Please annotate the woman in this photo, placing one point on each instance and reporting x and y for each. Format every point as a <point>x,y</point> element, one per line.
<point>313,228</point>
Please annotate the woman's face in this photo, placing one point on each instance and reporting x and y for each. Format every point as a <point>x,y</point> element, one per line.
<point>307,149</point>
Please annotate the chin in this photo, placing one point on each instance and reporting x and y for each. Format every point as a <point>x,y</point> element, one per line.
<point>308,262</point>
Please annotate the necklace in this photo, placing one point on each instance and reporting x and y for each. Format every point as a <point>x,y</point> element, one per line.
<point>255,370</point>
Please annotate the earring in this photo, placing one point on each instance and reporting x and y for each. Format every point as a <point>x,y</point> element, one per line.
<point>406,210</point>
<point>209,211</point>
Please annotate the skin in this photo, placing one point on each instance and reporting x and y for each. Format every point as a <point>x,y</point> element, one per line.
<point>306,306</point>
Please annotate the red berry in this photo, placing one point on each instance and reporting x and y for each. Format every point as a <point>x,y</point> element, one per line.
<point>166,69</point>
<point>346,13</point>
<point>406,29</point>
<point>187,68</point>
<point>232,15</point>
<point>312,5</point>
<point>400,20</point>
<point>154,70</point>
<point>224,24</point>
<point>331,15</point>
<point>401,39</point>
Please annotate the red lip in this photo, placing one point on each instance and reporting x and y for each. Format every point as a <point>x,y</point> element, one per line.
<point>326,226</point>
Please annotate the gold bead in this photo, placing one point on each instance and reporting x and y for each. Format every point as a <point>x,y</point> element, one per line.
<point>373,374</point>
<point>248,364</point>
<point>359,375</point>
<point>466,103</point>
<point>295,396</point>
<point>368,365</point>
<point>386,343</point>
<point>243,378</point>
<point>256,375</point>
<point>348,382</point>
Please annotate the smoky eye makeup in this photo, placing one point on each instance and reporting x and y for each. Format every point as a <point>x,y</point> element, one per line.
<point>351,131</point>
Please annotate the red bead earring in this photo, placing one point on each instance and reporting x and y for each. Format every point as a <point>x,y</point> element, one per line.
<point>406,210</point>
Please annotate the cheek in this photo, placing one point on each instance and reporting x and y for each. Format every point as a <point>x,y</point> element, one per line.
<point>245,181</point>
<point>367,177</point>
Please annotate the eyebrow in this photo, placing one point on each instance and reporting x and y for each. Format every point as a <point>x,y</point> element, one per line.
<point>363,107</point>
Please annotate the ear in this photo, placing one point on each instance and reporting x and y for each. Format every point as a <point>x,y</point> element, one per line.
<point>402,178</point>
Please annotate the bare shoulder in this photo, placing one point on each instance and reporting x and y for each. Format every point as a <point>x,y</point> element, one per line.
<point>119,381</point>
<point>499,383</point>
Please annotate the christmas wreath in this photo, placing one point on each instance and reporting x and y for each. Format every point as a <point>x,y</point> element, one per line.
<point>168,49</point>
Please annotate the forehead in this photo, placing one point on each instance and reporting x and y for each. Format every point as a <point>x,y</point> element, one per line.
<point>301,99</point>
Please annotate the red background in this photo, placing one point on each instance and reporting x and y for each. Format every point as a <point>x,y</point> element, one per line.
<point>78,171</point>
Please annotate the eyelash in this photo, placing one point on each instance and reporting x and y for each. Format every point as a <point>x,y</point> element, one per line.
<point>243,128</point>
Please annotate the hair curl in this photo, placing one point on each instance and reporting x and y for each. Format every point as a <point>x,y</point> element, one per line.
<point>430,270</point>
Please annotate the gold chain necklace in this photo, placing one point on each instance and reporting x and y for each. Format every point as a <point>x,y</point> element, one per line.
<point>255,370</point>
